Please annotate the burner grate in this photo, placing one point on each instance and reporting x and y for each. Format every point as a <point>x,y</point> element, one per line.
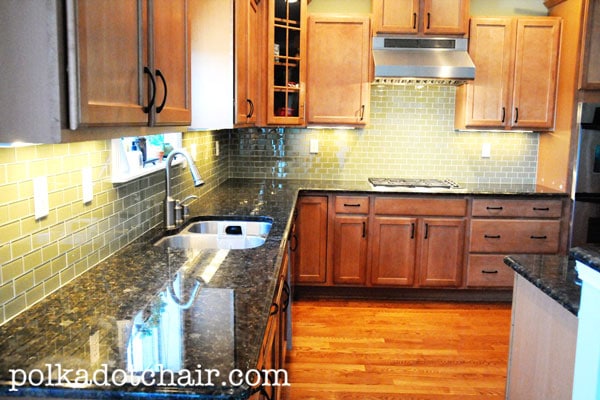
<point>414,182</point>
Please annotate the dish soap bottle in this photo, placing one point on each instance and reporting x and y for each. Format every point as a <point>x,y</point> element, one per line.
<point>135,158</point>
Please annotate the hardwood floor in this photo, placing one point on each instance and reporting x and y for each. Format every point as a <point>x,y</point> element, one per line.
<point>398,350</point>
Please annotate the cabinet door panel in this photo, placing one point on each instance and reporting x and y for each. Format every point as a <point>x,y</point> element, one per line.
<point>170,46</point>
<point>246,62</point>
<point>311,240</point>
<point>393,251</point>
<point>349,249</point>
<point>338,70</point>
<point>109,36</point>
<point>490,47</point>
<point>536,65</point>
<point>445,17</point>
<point>441,252</point>
<point>396,16</point>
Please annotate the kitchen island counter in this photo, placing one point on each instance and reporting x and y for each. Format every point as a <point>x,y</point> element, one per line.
<point>114,317</point>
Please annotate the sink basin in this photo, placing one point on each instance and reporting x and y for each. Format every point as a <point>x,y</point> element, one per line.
<point>233,233</point>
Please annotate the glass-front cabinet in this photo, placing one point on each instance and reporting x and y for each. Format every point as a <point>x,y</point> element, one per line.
<point>286,62</point>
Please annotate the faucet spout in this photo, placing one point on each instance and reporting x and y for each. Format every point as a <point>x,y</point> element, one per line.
<point>171,220</point>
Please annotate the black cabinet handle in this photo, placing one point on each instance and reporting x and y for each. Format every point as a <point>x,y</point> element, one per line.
<point>491,236</point>
<point>164,101</point>
<point>426,231</point>
<point>538,237</point>
<point>503,114</point>
<point>251,112</point>
<point>428,20</point>
<point>489,271</point>
<point>414,20</point>
<point>274,309</point>
<point>412,230</point>
<point>516,114</point>
<point>294,243</point>
<point>494,208</point>
<point>288,296</point>
<point>147,108</point>
<point>364,232</point>
<point>541,208</point>
<point>362,112</point>
<point>351,205</point>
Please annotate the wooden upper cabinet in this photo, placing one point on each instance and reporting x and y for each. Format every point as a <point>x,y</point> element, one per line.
<point>247,39</point>
<point>590,68</point>
<point>338,88</point>
<point>129,74</point>
<point>171,62</point>
<point>516,68</point>
<point>109,34</point>
<point>429,17</point>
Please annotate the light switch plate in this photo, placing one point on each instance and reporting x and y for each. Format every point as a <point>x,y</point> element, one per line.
<point>314,146</point>
<point>87,185</point>
<point>40,197</point>
<point>486,150</point>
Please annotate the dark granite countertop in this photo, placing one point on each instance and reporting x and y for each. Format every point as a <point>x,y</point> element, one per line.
<point>554,275</point>
<point>588,254</point>
<point>127,314</point>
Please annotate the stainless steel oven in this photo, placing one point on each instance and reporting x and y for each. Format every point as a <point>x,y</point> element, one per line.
<point>585,222</point>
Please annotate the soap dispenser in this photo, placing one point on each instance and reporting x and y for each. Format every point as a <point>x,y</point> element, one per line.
<point>135,158</point>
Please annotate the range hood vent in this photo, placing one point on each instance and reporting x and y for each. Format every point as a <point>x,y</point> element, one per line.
<point>425,61</point>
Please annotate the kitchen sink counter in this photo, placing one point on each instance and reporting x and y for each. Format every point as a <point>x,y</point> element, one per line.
<point>552,274</point>
<point>185,310</point>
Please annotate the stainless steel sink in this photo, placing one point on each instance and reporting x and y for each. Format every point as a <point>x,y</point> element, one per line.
<point>221,233</point>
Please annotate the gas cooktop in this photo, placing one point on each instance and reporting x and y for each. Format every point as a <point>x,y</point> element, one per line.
<point>414,183</point>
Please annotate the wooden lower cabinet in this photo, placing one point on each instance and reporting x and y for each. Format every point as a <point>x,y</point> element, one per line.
<point>441,252</point>
<point>393,251</point>
<point>309,241</point>
<point>350,249</point>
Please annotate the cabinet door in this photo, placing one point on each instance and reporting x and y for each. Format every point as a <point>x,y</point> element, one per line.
<point>311,240</point>
<point>338,70</point>
<point>441,252</point>
<point>536,65</point>
<point>447,17</point>
<point>111,52</point>
<point>171,60</point>
<point>286,62</point>
<point>246,61</point>
<point>396,16</point>
<point>350,249</point>
<point>393,251</point>
<point>485,99</point>
<point>590,68</point>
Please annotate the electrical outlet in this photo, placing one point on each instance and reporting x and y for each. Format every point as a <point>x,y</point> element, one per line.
<point>314,146</point>
<point>40,197</point>
<point>486,150</point>
<point>217,149</point>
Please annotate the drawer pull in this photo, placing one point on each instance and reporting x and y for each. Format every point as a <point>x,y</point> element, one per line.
<point>541,208</point>
<point>489,271</point>
<point>491,236</point>
<point>494,208</point>
<point>352,205</point>
<point>538,237</point>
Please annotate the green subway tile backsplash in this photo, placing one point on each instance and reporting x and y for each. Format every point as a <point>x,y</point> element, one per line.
<point>411,134</point>
<point>38,257</point>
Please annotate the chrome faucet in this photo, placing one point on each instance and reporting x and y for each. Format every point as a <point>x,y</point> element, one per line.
<point>175,210</point>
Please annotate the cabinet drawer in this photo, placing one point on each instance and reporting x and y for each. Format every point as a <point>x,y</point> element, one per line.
<point>514,236</point>
<point>352,204</point>
<point>489,271</point>
<point>517,208</point>
<point>421,206</point>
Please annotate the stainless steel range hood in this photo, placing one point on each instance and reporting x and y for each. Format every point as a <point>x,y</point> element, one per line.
<point>409,60</point>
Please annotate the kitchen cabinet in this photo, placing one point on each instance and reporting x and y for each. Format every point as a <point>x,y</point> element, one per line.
<point>339,56</point>
<point>590,70</point>
<point>309,241</point>
<point>349,240</point>
<point>286,63</point>
<point>74,65</point>
<point>516,63</point>
<point>226,59</point>
<point>509,226</point>
<point>418,238</point>
<point>428,17</point>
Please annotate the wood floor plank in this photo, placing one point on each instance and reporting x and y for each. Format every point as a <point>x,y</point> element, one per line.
<point>398,350</point>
